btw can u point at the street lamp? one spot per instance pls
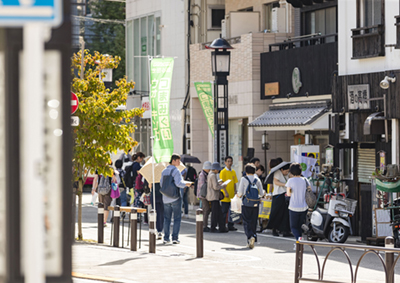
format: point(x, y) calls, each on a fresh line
point(265, 146)
point(220, 63)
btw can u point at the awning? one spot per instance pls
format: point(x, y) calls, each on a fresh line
point(287, 117)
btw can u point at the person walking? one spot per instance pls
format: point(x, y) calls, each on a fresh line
point(122, 200)
point(213, 195)
point(296, 190)
point(250, 208)
point(279, 217)
point(159, 209)
point(204, 204)
point(172, 206)
point(228, 174)
point(131, 172)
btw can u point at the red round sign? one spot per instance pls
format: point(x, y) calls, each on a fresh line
point(74, 103)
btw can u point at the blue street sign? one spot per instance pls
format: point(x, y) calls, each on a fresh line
point(20, 12)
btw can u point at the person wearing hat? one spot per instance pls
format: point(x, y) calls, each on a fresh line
point(204, 204)
point(213, 195)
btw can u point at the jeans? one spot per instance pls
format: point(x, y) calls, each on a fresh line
point(250, 216)
point(296, 220)
point(123, 198)
point(184, 194)
point(175, 208)
point(226, 212)
point(160, 213)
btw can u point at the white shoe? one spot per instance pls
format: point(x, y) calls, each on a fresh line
point(251, 242)
point(159, 236)
point(187, 216)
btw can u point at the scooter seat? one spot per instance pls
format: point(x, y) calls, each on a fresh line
point(323, 211)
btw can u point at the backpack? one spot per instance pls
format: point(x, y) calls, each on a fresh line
point(191, 174)
point(251, 198)
point(104, 186)
point(130, 176)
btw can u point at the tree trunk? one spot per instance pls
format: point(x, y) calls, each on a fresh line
point(79, 194)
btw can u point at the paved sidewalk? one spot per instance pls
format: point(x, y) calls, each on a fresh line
point(226, 259)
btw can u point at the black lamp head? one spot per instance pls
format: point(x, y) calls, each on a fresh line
point(219, 43)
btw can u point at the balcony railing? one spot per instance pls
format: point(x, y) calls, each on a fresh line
point(304, 40)
point(368, 42)
point(397, 24)
point(232, 40)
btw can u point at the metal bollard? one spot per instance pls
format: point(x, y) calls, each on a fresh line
point(117, 214)
point(199, 233)
point(298, 271)
point(100, 223)
point(389, 259)
point(133, 229)
point(152, 231)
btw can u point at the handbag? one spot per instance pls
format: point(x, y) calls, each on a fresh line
point(311, 199)
point(221, 195)
point(145, 198)
point(115, 191)
point(203, 190)
point(168, 188)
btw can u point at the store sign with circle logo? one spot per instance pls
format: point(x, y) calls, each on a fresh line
point(296, 81)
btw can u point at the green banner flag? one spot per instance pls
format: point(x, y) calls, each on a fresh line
point(204, 91)
point(160, 77)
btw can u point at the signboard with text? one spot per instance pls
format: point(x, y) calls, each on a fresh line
point(355, 94)
point(204, 91)
point(17, 13)
point(160, 76)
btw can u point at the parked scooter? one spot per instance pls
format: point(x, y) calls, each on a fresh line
point(332, 223)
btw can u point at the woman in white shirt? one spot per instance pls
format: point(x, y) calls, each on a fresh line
point(279, 217)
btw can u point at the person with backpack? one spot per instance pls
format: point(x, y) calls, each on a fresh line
point(202, 194)
point(103, 188)
point(251, 191)
point(131, 172)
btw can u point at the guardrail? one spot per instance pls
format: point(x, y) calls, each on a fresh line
point(388, 263)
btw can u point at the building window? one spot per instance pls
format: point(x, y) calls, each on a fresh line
point(268, 18)
point(321, 21)
point(143, 39)
point(369, 36)
point(216, 13)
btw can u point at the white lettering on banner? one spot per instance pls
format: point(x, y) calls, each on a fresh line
point(100, 211)
point(133, 216)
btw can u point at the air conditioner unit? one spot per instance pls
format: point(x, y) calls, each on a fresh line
point(278, 20)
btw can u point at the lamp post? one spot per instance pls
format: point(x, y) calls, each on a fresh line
point(220, 63)
point(265, 146)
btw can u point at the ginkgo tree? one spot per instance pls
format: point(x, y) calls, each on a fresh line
point(103, 128)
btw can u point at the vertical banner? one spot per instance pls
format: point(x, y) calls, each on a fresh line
point(207, 103)
point(160, 78)
point(306, 163)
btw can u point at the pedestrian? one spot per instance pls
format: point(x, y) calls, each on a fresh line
point(131, 172)
point(250, 187)
point(255, 161)
point(122, 200)
point(279, 217)
point(214, 188)
point(204, 204)
point(172, 206)
point(105, 199)
point(188, 174)
point(159, 208)
point(228, 174)
point(126, 158)
point(259, 171)
point(296, 190)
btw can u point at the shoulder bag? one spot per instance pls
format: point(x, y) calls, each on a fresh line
point(169, 188)
point(311, 199)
